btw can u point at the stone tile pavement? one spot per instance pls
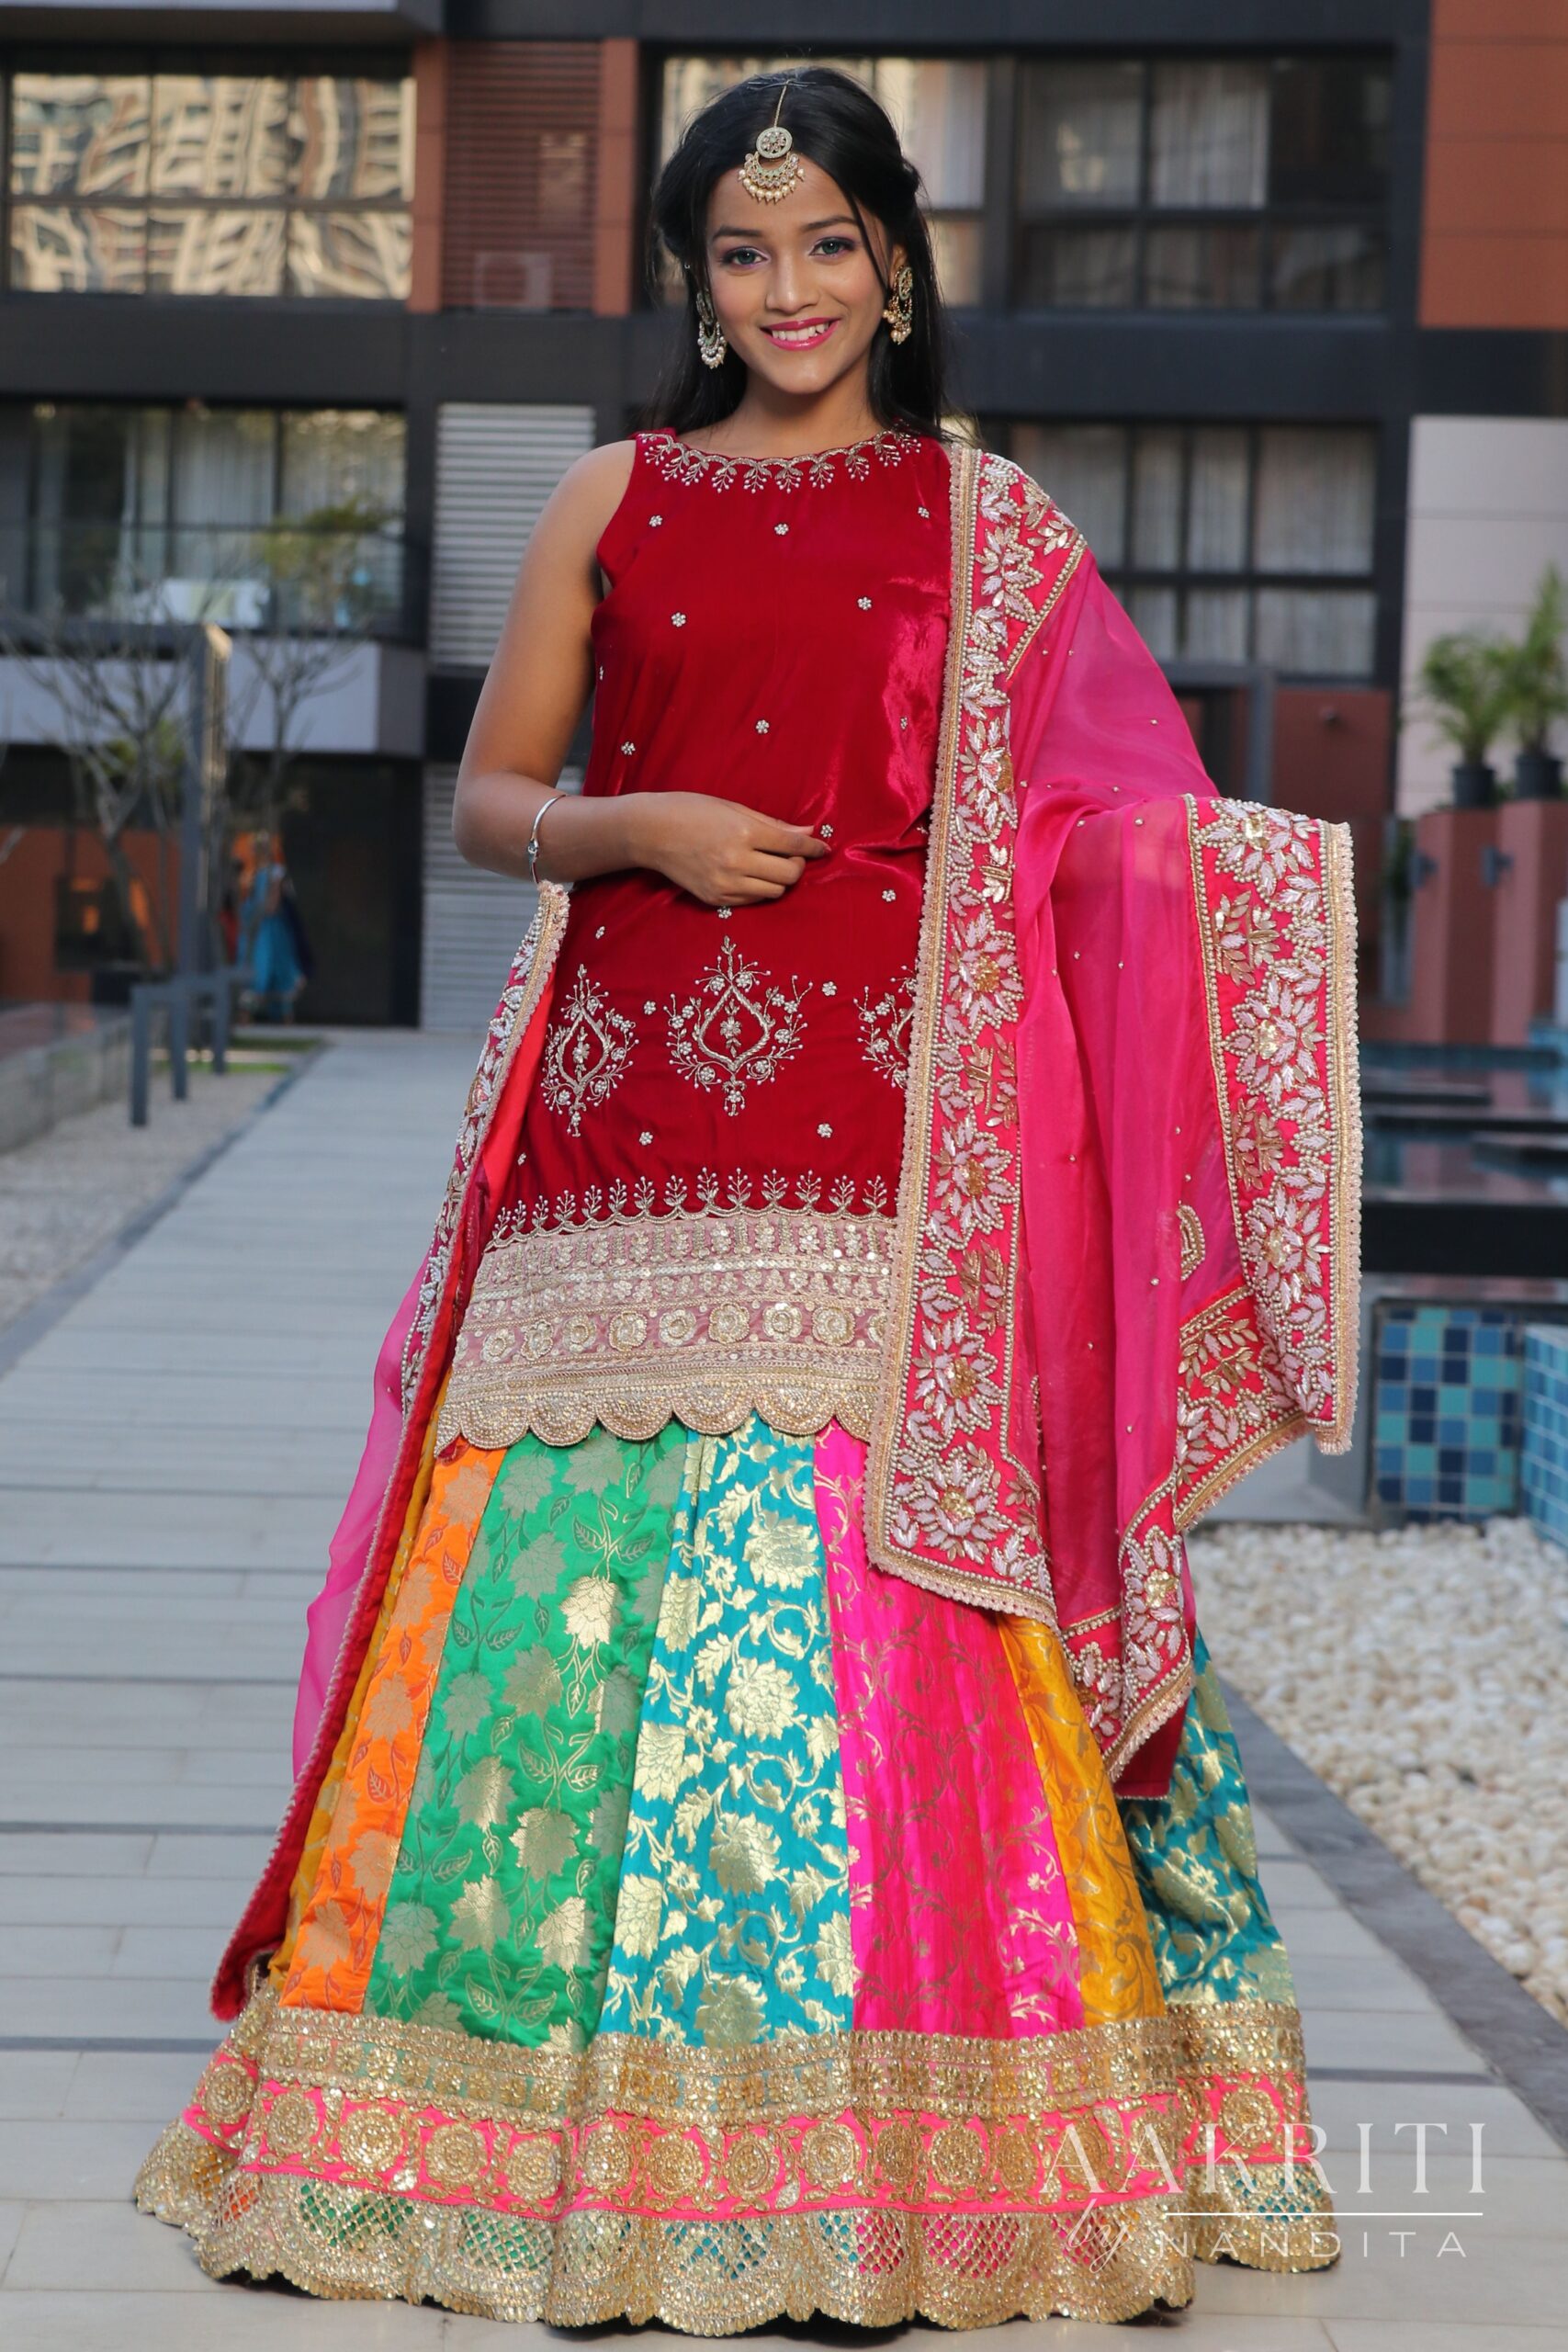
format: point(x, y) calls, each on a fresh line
point(173, 1455)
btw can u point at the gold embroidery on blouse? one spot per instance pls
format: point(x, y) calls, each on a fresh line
point(735, 1031)
point(885, 1027)
point(702, 1317)
point(676, 460)
point(586, 1052)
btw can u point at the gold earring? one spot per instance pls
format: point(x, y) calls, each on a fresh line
point(712, 347)
point(899, 309)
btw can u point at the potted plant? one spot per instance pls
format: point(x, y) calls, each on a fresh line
point(1537, 681)
point(1464, 692)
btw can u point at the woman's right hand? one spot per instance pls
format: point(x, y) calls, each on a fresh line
point(721, 853)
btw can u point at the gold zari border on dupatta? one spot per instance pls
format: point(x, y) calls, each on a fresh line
point(1277, 923)
point(358, 2157)
point(704, 1317)
point(953, 1499)
point(525, 984)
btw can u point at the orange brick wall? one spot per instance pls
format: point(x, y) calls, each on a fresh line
point(1494, 251)
point(28, 877)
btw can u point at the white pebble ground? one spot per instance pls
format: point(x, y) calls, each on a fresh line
point(1423, 1675)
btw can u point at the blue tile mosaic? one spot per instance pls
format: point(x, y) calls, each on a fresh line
point(1544, 1472)
point(1448, 1411)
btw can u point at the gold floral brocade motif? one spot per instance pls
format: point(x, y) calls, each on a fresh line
point(703, 1317)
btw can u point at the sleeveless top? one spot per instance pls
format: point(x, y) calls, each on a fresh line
point(699, 1218)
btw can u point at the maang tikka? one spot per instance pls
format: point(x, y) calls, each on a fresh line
point(772, 168)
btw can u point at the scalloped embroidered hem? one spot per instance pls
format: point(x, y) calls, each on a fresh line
point(876, 2269)
point(712, 1405)
point(361, 2160)
point(702, 1317)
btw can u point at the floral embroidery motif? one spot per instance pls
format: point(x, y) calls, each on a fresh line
point(1275, 917)
point(705, 1317)
point(953, 1497)
point(885, 1027)
point(586, 1052)
point(1233, 1401)
point(676, 460)
point(735, 1031)
point(1193, 1246)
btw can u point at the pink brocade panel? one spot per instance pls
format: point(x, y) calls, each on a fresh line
point(960, 1916)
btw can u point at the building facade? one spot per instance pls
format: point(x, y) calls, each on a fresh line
point(1272, 297)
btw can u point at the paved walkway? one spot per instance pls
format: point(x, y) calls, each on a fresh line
point(173, 1455)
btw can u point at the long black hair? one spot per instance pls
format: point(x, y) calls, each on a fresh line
point(836, 123)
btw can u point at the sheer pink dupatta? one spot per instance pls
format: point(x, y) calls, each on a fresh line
point(1189, 1151)
point(327, 1618)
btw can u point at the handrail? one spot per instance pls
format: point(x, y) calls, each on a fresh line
point(182, 994)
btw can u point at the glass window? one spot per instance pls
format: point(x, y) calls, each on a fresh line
point(1209, 134)
point(1081, 140)
point(937, 107)
point(1330, 131)
point(351, 138)
point(342, 456)
point(1218, 537)
point(1328, 265)
point(78, 249)
point(1203, 184)
point(198, 512)
point(1156, 499)
point(220, 135)
point(79, 134)
point(1207, 266)
point(1315, 493)
point(1217, 499)
point(251, 183)
point(1078, 268)
point(214, 251)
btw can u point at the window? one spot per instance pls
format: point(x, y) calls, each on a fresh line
point(939, 108)
point(1209, 183)
point(1228, 543)
point(240, 516)
point(232, 184)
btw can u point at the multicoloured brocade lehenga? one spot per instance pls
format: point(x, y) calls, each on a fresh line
point(695, 1921)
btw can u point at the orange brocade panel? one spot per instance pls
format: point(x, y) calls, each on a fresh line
point(521, 136)
point(340, 1923)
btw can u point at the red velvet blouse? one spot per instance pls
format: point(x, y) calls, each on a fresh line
point(775, 634)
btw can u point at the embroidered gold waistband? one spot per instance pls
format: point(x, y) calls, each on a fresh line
point(702, 1317)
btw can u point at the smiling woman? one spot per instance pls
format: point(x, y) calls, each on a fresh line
point(766, 1839)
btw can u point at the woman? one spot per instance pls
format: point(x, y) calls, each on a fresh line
point(769, 1840)
point(271, 940)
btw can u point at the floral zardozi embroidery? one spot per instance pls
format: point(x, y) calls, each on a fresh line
point(1191, 1227)
point(885, 1027)
point(586, 1052)
point(1267, 919)
point(953, 1501)
point(735, 1030)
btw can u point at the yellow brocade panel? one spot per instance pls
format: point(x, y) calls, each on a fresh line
point(1118, 1977)
point(340, 1920)
point(332, 1780)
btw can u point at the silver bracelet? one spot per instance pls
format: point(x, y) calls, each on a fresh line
point(534, 834)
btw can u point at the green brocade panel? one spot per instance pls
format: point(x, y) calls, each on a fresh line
point(501, 1907)
point(1196, 1859)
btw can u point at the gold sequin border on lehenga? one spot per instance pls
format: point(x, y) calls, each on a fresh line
point(870, 2177)
point(704, 1317)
